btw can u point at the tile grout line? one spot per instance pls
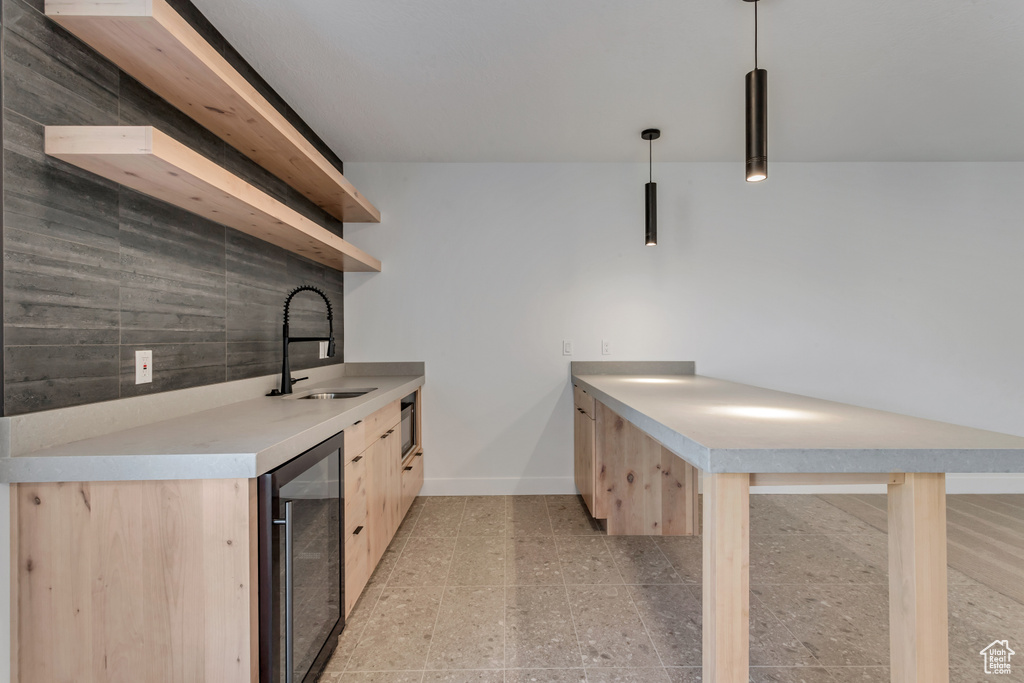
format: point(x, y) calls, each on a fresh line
point(362, 632)
point(416, 523)
point(383, 588)
point(831, 672)
point(444, 590)
point(373, 609)
point(765, 606)
point(669, 561)
point(568, 598)
point(622, 577)
point(646, 629)
point(643, 623)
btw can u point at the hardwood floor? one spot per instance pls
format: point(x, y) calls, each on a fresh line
point(984, 535)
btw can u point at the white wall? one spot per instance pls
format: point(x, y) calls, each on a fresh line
point(894, 286)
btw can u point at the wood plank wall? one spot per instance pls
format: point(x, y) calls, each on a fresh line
point(93, 271)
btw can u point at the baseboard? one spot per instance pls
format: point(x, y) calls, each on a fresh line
point(499, 486)
point(523, 486)
point(985, 483)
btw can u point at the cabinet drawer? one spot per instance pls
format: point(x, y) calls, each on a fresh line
point(361, 435)
point(412, 482)
point(583, 401)
point(382, 420)
point(355, 440)
point(355, 493)
point(357, 566)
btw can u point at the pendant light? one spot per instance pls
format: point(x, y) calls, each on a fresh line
point(651, 190)
point(757, 117)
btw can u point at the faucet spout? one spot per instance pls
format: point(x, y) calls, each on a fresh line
point(286, 375)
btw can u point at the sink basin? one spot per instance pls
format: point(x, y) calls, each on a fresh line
point(346, 393)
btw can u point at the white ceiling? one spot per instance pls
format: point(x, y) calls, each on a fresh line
point(577, 80)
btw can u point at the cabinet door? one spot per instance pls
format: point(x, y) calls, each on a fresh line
point(384, 419)
point(357, 556)
point(377, 499)
point(394, 447)
point(412, 482)
point(376, 476)
point(583, 446)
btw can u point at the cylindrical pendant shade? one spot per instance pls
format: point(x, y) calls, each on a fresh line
point(757, 125)
point(651, 197)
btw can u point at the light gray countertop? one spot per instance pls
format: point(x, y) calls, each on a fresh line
point(244, 438)
point(721, 426)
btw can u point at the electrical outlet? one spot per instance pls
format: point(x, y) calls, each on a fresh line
point(566, 348)
point(606, 347)
point(323, 350)
point(143, 367)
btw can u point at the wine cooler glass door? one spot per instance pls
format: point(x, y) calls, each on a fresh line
point(306, 570)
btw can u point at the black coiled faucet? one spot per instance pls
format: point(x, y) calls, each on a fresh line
point(286, 374)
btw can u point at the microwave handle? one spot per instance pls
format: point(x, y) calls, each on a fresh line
point(288, 592)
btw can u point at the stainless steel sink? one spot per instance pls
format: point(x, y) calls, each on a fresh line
point(345, 393)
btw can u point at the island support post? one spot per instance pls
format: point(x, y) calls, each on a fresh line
point(726, 582)
point(918, 621)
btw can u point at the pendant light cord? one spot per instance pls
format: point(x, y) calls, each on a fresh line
point(650, 160)
point(755, 35)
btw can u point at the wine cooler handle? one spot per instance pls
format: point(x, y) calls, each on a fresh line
point(288, 593)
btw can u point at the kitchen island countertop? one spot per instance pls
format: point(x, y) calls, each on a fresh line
point(739, 434)
point(721, 426)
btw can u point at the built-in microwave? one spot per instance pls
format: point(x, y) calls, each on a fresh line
point(408, 426)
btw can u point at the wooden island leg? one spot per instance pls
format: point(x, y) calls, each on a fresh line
point(726, 580)
point(918, 628)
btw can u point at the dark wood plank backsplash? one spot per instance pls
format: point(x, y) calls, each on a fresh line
point(93, 271)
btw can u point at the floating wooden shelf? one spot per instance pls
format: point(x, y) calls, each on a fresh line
point(144, 159)
point(153, 43)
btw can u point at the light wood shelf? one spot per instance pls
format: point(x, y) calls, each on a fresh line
point(144, 159)
point(155, 45)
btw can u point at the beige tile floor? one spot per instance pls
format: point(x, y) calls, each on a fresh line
point(520, 589)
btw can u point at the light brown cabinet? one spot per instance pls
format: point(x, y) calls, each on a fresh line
point(627, 478)
point(412, 481)
point(158, 580)
point(584, 457)
point(135, 580)
point(383, 492)
point(379, 489)
point(585, 452)
point(357, 554)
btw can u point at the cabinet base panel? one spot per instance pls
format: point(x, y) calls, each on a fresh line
point(136, 580)
point(642, 488)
